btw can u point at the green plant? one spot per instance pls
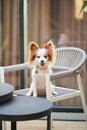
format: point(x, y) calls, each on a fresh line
point(84, 6)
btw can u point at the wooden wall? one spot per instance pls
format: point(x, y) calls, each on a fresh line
point(47, 19)
point(39, 21)
point(63, 21)
point(55, 19)
point(10, 37)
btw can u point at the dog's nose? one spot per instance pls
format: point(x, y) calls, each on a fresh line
point(42, 61)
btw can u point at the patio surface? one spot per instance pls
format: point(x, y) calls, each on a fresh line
point(58, 125)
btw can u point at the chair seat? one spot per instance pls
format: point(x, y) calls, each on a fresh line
point(64, 93)
point(61, 93)
point(21, 92)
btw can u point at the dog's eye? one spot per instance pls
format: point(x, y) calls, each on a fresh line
point(38, 56)
point(45, 56)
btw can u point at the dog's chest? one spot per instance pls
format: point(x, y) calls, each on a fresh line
point(41, 84)
point(41, 81)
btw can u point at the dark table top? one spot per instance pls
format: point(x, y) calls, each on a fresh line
point(21, 108)
point(6, 92)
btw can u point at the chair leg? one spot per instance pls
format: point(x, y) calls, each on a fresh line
point(82, 95)
point(52, 125)
point(4, 125)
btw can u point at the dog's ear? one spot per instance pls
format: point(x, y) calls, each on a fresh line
point(49, 45)
point(50, 50)
point(33, 47)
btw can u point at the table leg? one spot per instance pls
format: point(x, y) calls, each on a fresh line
point(0, 125)
point(13, 125)
point(49, 122)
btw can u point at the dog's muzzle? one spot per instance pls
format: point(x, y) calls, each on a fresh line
point(42, 64)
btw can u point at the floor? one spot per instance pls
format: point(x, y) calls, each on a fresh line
point(58, 125)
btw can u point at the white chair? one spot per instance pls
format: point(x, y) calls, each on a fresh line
point(2, 74)
point(70, 61)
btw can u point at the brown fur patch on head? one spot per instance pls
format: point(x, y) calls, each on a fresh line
point(33, 47)
point(50, 50)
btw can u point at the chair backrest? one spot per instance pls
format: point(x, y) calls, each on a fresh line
point(69, 57)
point(16, 67)
point(2, 74)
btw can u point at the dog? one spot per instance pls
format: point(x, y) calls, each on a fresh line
point(41, 59)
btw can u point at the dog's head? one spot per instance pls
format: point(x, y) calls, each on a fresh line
point(41, 57)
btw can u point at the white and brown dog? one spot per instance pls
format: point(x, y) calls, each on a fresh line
point(41, 59)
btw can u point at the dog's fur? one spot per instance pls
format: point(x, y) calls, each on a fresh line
point(41, 59)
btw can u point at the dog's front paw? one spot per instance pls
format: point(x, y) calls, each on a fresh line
point(34, 95)
point(28, 94)
point(54, 93)
point(51, 95)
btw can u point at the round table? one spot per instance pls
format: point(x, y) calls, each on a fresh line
point(22, 108)
point(6, 92)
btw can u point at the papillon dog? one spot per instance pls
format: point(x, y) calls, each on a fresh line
point(41, 59)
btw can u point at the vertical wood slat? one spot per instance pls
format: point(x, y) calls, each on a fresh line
point(6, 22)
point(33, 20)
point(14, 39)
point(6, 28)
point(45, 21)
